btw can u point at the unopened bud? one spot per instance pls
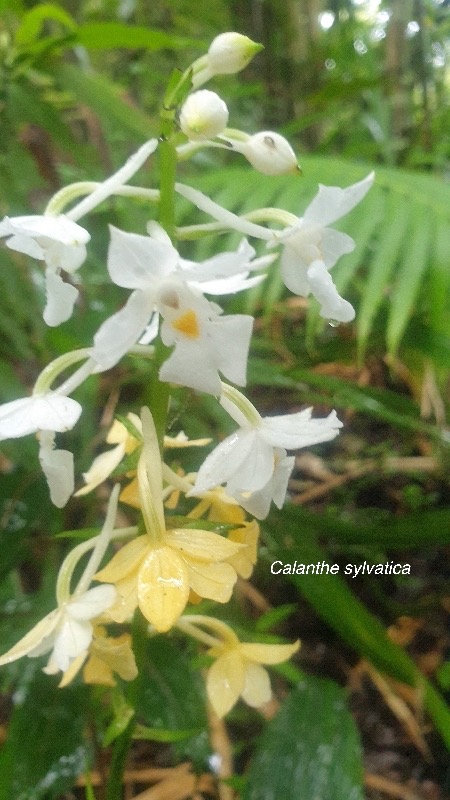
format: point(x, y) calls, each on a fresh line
point(231, 52)
point(269, 153)
point(203, 115)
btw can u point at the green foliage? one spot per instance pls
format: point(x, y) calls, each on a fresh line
point(297, 761)
point(46, 748)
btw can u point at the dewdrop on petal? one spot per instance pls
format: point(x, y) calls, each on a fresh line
point(203, 115)
point(269, 153)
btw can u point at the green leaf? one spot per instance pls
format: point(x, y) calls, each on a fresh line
point(409, 277)
point(392, 233)
point(309, 750)
point(382, 404)
point(110, 35)
point(173, 698)
point(105, 98)
point(32, 23)
point(123, 714)
point(144, 733)
point(45, 751)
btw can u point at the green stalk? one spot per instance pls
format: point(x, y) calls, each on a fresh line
point(121, 747)
point(168, 168)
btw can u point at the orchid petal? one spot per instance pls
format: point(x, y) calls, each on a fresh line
point(50, 412)
point(225, 682)
point(201, 545)
point(125, 561)
point(163, 587)
point(333, 245)
point(122, 330)
point(71, 641)
point(57, 466)
point(136, 262)
point(333, 306)
point(43, 630)
point(294, 270)
point(92, 603)
point(257, 690)
point(212, 581)
point(61, 298)
point(332, 203)
point(293, 431)
point(268, 653)
point(101, 468)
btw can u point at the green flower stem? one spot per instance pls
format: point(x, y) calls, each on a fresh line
point(159, 394)
point(168, 166)
point(65, 196)
point(121, 747)
point(56, 367)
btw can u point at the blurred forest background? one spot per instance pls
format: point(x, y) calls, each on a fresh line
point(355, 85)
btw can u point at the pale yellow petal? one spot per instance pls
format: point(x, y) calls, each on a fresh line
point(268, 653)
point(101, 469)
point(257, 690)
point(110, 654)
point(225, 682)
point(116, 652)
point(244, 561)
point(73, 670)
point(130, 494)
point(202, 545)
point(127, 599)
point(117, 433)
point(125, 561)
point(212, 581)
point(163, 587)
point(98, 672)
point(31, 641)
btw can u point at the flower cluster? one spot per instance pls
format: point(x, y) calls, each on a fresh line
point(198, 532)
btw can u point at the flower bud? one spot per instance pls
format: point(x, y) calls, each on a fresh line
point(269, 153)
point(203, 115)
point(231, 52)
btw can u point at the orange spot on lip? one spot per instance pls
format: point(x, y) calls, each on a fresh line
point(187, 324)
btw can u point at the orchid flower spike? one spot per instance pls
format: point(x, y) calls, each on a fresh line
point(252, 462)
point(66, 632)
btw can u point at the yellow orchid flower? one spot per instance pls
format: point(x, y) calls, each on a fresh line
point(237, 670)
point(157, 571)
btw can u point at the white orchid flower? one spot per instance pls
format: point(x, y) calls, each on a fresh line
point(311, 248)
point(152, 267)
point(47, 413)
point(252, 461)
point(58, 241)
point(66, 632)
point(205, 342)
